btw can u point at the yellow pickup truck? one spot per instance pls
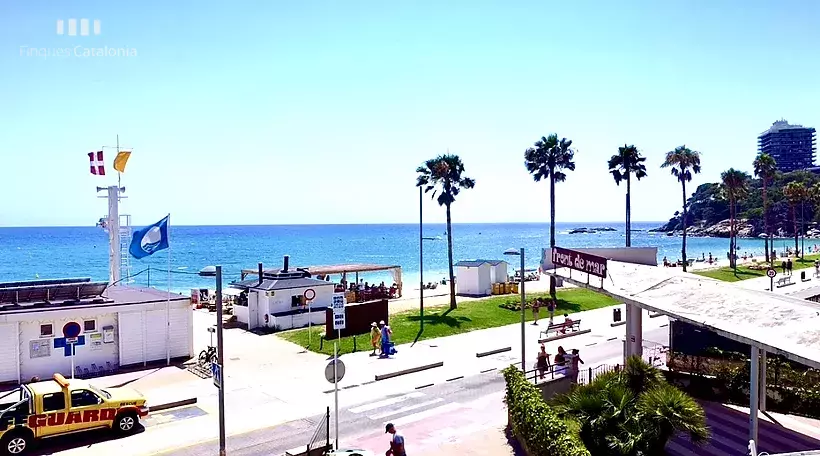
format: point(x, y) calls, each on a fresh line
point(55, 407)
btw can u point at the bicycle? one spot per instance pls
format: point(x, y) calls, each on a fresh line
point(208, 356)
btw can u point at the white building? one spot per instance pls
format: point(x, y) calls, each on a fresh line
point(283, 300)
point(110, 327)
point(476, 277)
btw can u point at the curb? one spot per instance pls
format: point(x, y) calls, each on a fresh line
point(170, 405)
point(409, 371)
point(655, 315)
point(564, 336)
point(492, 352)
point(620, 323)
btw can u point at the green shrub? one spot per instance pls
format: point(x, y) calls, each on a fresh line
point(536, 423)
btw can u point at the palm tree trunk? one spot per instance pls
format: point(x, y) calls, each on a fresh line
point(732, 248)
point(628, 212)
point(766, 218)
point(450, 258)
point(683, 244)
point(552, 210)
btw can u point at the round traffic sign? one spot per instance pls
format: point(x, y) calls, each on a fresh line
point(309, 294)
point(340, 370)
point(771, 272)
point(71, 329)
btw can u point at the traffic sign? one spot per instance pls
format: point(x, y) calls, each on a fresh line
point(340, 370)
point(216, 373)
point(339, 317)
point(309, 294)
point(771, 272)
point(339, 321)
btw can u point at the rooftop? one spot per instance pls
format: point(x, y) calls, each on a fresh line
point(782, 124)
point(330, 269)
point(779, 324)
point(281, 284)
point(474, 263)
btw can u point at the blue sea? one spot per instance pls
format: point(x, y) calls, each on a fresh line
point(57, 252)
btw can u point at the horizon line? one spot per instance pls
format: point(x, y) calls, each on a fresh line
point(580, 224)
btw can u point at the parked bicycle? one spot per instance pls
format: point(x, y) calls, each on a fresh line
point(208, 356)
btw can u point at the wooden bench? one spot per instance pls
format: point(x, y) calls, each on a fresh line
point(784, 281)
point(560, 328)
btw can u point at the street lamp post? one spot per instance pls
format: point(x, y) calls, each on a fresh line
point(217, 272)
point(523, 307)
point(421, 262)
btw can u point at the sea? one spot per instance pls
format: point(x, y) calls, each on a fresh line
point(62, 252)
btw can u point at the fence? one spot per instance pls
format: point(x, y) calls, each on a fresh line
point(321, 436)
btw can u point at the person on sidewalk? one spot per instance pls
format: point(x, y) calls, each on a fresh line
point(551, 308)
point(385, 339)
point(574, 359)
point(560, 361)
point(536, 305)
point(375, 337)
point(789, 266)
point(543, 362)
point(396, 442)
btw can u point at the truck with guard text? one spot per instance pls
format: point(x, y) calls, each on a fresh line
point(49, 408)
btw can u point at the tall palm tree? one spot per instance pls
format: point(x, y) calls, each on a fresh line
point(632, 412)
point(795, 192)
point(622, 165)
point(735, 186)
point(684, 162)
point(547, 160)
point(765, 168)
point(445, 172)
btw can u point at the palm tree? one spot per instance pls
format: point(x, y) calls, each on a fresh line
point(445, 171)
point(765, 168)
point(632, 412)
point(684, 162)
point(735, 186)
point(546, 161)
point(622, 165)
point(795, 192)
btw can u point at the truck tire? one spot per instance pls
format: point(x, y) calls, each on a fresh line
point(16, 443)
point(126, 423)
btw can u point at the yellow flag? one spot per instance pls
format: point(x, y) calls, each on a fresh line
point(121, 160)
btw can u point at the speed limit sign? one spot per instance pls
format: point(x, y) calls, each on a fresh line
point(771, 272)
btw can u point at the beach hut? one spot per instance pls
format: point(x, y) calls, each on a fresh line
point(476, 277)
point(88, 328)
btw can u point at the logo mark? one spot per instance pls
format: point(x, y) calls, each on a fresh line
point(72, 27)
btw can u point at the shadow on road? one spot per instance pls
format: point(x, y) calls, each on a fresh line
point(79, 440)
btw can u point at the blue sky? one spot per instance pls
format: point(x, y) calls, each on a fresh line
point(273, 112)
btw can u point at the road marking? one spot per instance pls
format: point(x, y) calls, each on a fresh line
point(611, 338)
point(426, 414)
point(405, 409)
point(424, 386)
point(384, 403)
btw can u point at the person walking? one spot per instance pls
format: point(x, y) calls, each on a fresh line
point(375, 337)
point(789, 266)
point(543, 362)
point(551, 308)
point(783, 265)
point(560, 361)
point(536, 305)
point(385, 339)
point(574, 359)
point(396, 441)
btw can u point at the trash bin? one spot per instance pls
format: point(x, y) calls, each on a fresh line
point(616, 315)
point(803, 276)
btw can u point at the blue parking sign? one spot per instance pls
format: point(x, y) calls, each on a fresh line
point(216, 372)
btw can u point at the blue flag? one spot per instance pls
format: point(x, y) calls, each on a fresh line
point(150, 239)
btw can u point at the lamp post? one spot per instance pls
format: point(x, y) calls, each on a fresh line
point(421, 262)
point(520, 253)
point(211, 271)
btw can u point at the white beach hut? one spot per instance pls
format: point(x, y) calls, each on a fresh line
point(476, 277)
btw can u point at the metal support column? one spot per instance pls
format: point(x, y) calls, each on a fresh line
point(634, 331)
point(762, 380)
point(754, 381)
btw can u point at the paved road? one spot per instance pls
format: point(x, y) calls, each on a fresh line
point(430, 416)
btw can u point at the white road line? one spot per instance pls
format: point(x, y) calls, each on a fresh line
point(384, 403)
point(426, 414)
point(405, 409)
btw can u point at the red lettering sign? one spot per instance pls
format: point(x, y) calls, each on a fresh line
point(61, 418)
point(73, 417)
point(108, 414)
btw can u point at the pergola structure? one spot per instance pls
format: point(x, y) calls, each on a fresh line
point(768, 322)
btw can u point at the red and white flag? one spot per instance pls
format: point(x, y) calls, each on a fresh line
point(97, 163)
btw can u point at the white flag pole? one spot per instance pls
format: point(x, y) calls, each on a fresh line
point(168, 302)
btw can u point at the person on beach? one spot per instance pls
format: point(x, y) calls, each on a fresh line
point(375, 337)
point(543, 362)
point(710, 258)
point(536, 305)
point(551, 308)
point(396, 442)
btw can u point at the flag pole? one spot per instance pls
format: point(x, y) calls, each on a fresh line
point(168, 302)
point(119, 174)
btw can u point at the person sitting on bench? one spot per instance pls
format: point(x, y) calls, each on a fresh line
point(567, 324)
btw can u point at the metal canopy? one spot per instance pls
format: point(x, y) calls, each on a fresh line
point(51, 292)
point(776, 323)
point(330, 269)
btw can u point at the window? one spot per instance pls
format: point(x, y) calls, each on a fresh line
point(89, 325)
point(84, 398)
point(47, 330)
point(53, 402)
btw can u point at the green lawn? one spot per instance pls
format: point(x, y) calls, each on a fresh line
point(470, 316)
point(728, 275)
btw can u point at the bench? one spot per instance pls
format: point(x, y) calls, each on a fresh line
point(561, 327)
point(784, 281)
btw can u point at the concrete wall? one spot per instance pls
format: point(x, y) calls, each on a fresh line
point(299, 320)
point(636, 255)
point(558, 385)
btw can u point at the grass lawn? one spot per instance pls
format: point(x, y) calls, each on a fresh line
point(470, 316)
point(726, 274)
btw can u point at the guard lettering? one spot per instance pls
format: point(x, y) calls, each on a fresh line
point(108, 414)
point(56, 419)
point(73, 418)
point(35, 421)
point(91, 415)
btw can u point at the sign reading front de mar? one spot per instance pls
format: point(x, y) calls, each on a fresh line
point(584, 262)
point(338, 306)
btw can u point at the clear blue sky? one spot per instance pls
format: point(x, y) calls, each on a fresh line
point(272, 112)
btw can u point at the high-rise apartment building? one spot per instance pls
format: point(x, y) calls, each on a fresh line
point(792, 146)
